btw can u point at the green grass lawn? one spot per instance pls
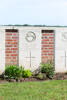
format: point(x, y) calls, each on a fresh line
point(48, 90)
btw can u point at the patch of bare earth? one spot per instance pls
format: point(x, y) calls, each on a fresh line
point(58, 76)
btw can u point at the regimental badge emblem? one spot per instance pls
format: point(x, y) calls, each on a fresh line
point(30, 37)
point(64, 36)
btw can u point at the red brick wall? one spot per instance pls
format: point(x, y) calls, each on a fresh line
point(47, 48)
point(11, 47)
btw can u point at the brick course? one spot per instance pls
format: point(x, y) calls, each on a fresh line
point(47, 48)
point(11, 47)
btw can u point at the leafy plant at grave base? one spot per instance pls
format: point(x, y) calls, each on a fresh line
point(41, 76)
point(26, 73)
point(48, 69)
point(13, 71)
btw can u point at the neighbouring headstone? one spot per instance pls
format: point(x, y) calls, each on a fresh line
point(61, 50)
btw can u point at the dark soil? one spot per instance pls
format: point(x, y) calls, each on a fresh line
point(58, 76)
point(3, 81)
point(25, 80)
point(31, 79)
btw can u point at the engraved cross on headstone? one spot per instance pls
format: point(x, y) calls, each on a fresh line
point(30, 57)
point(65, 57)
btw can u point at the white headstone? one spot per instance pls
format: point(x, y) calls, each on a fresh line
point(61, 50)
point(30, 48)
